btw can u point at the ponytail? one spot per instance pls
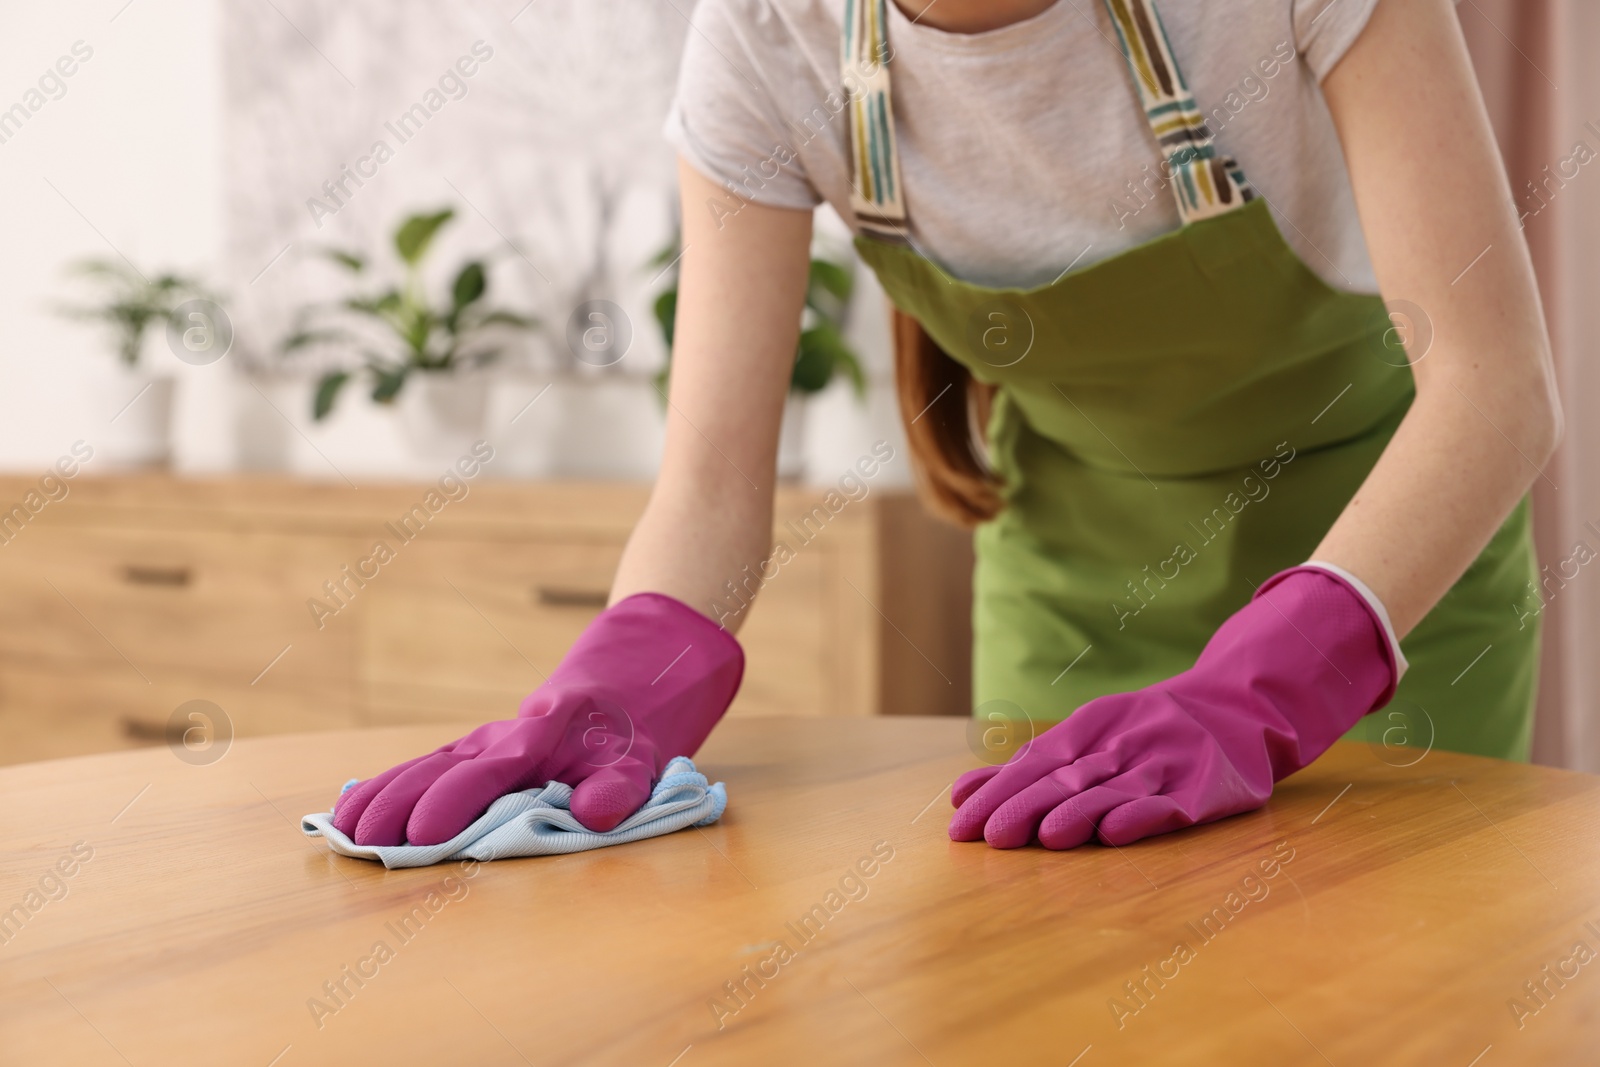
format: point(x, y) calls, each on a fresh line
point(946, 413)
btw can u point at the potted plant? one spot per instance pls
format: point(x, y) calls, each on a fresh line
point(821, 354)
point(134, 401)
point(401, 335)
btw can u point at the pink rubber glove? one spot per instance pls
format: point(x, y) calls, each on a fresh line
point(1277, 684)
point(645, 682)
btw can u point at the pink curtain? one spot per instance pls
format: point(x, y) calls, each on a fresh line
point(1535, 63)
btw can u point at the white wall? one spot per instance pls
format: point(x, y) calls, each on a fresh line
point(197, 132)
point(132, 147)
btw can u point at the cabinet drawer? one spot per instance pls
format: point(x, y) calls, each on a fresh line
point(223, 603)
point(788, 643)
point(47, 712)
point(465, 631)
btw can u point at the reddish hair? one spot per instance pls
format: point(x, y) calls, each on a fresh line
point(946, 412)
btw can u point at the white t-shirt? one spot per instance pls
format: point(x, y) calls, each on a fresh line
point(1024, 150)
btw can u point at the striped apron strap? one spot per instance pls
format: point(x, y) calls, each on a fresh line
point(1204, 183)
point(877, 196)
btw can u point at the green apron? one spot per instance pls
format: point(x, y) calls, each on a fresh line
point(1173, 425)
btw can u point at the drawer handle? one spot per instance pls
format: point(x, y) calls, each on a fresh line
point(175, 577)
point(140, 730)
point(557, 597)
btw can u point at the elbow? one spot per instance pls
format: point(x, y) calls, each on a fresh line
point(1548, 425)
point(1523, 409)
point(1558, 425)
point(1529, 409)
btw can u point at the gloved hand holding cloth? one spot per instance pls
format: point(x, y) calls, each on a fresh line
point(646, 682)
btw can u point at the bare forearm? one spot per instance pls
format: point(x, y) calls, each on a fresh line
point(738, 318)
point(1458, 464)
point(694, 539)
point(1443, 232)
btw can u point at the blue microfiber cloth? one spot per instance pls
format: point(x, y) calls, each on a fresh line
point(536, 822)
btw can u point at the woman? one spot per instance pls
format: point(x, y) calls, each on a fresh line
point(1218, 520)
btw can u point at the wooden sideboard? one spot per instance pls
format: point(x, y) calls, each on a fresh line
point(134, 595)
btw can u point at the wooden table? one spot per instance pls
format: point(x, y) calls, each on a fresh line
point(1404, 911)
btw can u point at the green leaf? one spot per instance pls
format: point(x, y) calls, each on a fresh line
point(832, 278)
point(387, 383)
point(470, 284)
point(432, 361)
point(669, 252)
point(130, 303)
point(506, 318)
point(415, 325)
point(846, 360)
point(822, 354)
point(666, 310)
point(411, 240)
point(327, 392)
point(301, 338)
point(813, 365)
point(353, 261)
point(385, 303)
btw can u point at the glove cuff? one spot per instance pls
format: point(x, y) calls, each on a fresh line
point(668, 614)
point(1363, 595)
point(672, 670)
point(1379, 612)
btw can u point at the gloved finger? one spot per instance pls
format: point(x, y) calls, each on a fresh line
point(970, 819)
point(1160, 814)
point(352, 803)
point(384, 820)
point(1014, 823)
point(611, 794)
point(1159, 806)
point(969, 783)
point(974, 809)
point(1076, 819)
point(540, 702)
point(463, 792)
point(1144, 817)
point(989, 787)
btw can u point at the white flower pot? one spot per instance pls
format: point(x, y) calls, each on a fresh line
point(264, 432)
point(131, 416)
point(442, 415)
point(607, 427)
point(359, 441)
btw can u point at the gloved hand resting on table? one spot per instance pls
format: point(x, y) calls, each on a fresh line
point(1277, 684)
point(646, 681)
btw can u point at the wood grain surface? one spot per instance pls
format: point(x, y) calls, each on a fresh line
point(1446, 912)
